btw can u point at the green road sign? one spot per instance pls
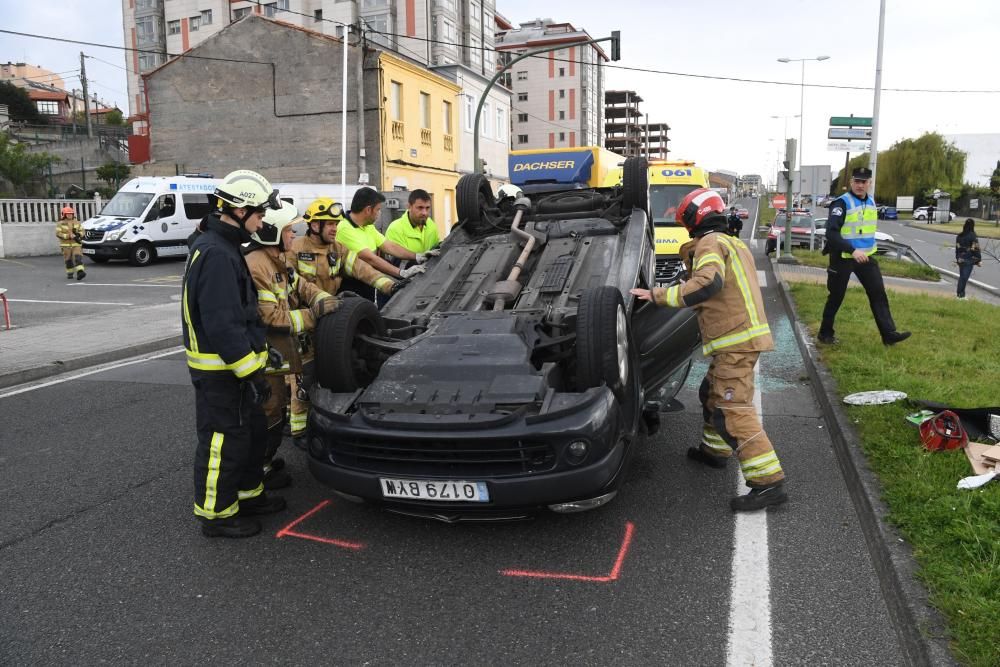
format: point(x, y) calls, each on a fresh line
point(851, 121)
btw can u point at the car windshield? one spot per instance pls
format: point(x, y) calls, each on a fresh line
point(663, 201)
point(127, 204)
point(797, 220)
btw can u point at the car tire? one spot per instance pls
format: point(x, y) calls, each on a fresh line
point(97, 260)
point(476, 204)
point(603, 340)
point(141, 254)
point(635, 184)
point(343, 360)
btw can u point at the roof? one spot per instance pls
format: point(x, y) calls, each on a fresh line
point(543, 32)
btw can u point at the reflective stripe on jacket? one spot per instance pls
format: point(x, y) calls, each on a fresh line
point(67, 231)
point(860, 224)
point(326, 264)
point(724, 291)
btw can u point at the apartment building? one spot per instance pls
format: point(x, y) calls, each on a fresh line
point(558, 97)
point(627, 130)
point(431, 32)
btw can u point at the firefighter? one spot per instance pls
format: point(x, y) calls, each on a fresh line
point(289, 308)
point(226, 355)
point(320, 259)
point(69, 231)
point(723, 290)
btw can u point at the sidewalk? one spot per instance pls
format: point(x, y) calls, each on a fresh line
point(70, 343)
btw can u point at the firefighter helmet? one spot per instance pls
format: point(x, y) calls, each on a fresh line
point(943, 431)
point(275, 222)
point(324, 208)
point(68, 210)
point(247, 189)
point(697, 205)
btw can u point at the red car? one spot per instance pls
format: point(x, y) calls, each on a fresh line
point(742, 212)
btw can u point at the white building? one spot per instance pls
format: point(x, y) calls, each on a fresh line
point(432, 32)
point(558, 97)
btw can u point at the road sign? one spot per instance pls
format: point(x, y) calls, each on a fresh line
point(778, 201)
point(851, 121)
point(849, 146)
point(850, 133)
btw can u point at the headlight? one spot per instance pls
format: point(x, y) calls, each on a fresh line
point(115, 235)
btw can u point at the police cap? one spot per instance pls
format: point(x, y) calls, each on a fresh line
point(862, 174)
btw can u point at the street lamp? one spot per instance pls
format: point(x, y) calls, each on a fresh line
point(802, 99)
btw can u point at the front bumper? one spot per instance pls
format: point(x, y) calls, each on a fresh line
point(351, 453)
point(109, 249)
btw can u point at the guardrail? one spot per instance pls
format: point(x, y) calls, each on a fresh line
point(25, 211)
point(886, 248)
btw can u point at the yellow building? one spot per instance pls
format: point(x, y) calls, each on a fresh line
point(419, 136)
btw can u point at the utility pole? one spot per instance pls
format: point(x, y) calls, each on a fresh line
point(787, 257)
point(86, 102)
point(873, 162)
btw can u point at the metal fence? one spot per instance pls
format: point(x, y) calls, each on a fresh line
point(46, 210)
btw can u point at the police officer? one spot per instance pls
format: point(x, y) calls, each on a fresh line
point(734, 222)
point(723, 290)
point(69, 231)
point(289, 308)
point(226, 356)
point(850, 241)
point(415, 230)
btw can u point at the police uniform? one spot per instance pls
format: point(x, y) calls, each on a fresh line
point(70, 235)
point(225, 344)
point(724, 291)
point(851, 226)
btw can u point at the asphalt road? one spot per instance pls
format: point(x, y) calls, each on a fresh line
point(939, 249)
point(101, 559)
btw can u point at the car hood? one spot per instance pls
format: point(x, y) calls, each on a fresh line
point(107, 223)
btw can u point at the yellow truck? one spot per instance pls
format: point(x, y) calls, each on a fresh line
point(552, 169)
point(669, 181)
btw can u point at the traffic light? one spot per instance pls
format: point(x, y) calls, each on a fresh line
point(616, 45)
point(784, 163)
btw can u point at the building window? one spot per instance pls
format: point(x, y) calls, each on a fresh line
point(562, 115)
point(173, 27)
point(47, 107)
point(522, 138)
point(475, 14)
point(206, 17)
point(470, 112)
point(522, 76)
point(445, 5)
point(240, 13)
point(562, 136)
point(145, 29)
point(373, 4)
point(501, 124)
point(484, 124)
point(562, 94)
point(562, 71)
point(270, 9)
point(148, 61)
point(425, 111)
point(447, 31)
point(380, 28)
point(396, 101)
point(522, 118)
point(475, 51)
point(194, 23)
point(446, 117)
point(522, 97)
point(317, 15)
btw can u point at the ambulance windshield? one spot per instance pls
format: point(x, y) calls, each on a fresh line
point(663, 201)
point(127, 204)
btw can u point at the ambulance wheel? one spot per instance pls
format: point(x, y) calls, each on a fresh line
point(98, 260)
point(141, 254)
point(476, 204)
point(635, 184)
point(344, 361)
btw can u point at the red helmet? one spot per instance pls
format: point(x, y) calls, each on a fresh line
point(697, 205)
point(68, 210)
point(943, 431)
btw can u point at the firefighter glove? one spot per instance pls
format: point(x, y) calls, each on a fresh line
point(77, 238)
point(324, 306)
point(424, 256)
point(274, 358)
point(260, 390)
point(398, 285)
point(411, 271)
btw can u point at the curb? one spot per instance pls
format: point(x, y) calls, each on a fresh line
point(55, 368)
point(973, 283)
point(920, 629)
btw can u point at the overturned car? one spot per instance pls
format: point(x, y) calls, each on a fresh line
point(516, 374)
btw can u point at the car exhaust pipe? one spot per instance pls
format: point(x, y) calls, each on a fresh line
point(507, 291)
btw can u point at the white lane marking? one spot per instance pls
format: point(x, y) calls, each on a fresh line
point(99, 369)
point(174, 286)
point(761, 278)
point(920, 241)
point(750, 604)
point(80, 303)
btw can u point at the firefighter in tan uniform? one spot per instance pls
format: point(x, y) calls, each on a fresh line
point(723, 289)
point(289, 308)
point(69, 231)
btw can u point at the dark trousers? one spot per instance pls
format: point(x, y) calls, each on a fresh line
point(964, 272)
point(229, 460)
point(870, 276)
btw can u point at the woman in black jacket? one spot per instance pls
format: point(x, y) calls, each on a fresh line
point(967, 254)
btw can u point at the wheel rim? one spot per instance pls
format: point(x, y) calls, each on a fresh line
point(621, 330)
point(142, 255)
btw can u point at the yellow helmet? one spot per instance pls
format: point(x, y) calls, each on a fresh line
point(324, 208)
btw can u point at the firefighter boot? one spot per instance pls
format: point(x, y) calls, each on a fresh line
point(759, 498)
point(81, 274)
point(233, 526)
point(262, 504)
point(701, 456)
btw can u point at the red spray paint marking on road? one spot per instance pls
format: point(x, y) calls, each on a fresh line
point(288, 532)
point(612, 576)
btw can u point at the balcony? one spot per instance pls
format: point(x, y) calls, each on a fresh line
point(425, 136)
point(397, 130)
point(449, 143)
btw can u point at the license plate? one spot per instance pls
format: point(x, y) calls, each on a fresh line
point(422, 489)
point(89, 251)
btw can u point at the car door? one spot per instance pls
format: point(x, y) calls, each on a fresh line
point(665, 338)
point(162, 219)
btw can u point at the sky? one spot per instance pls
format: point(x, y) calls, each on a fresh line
point(720, 124)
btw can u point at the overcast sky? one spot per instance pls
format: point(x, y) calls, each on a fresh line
point(720, 124)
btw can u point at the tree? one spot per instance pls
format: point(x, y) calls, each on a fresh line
point(114, 118)
point(19, 166)
point(19, 104)
point(113, 173)
point(995, 181)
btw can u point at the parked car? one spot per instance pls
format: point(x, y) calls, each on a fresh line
point(516, 374)
point(922, 212)
point(800, 236)
point(887, 213)
point(742, 212)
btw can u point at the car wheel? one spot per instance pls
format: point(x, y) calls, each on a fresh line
point(98, 260)
point(635, 184)
point(476, 203)
point(141, 254)
point(344, 361)
point(605, 354)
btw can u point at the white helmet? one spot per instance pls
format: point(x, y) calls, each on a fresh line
point(245, 188)
point(510, 191)
point(275, 221)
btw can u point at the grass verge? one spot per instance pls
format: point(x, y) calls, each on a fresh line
point(889, 267)
point(988, 230)
point(951, 358)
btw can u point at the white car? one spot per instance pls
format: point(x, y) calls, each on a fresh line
point(800, 237)
point(922, 212)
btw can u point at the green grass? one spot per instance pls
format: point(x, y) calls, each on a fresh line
point(983, 229)
point(951, 358)
point(889, 267)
